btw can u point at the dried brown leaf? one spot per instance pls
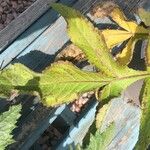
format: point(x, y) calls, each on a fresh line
point(71, 53)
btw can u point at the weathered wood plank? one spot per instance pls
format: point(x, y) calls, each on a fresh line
point(78, 131)
point(28, 37)
point(22, 22)
point(43, 124)
point(126, 118)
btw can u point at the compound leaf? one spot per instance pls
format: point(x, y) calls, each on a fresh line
point(115, 37)
point(144, 134)
point(7, 124)
point(64, 82)
point(89, 40)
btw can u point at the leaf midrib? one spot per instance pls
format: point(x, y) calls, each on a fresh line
point(89, 81)
point(104, 81)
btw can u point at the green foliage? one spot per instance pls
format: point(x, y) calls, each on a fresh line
point(63, 82)
point(89, 40)
point(144, 134)
point(100, 117)
point(144, 15)
point(8, 120)
point(17, 77)
point(101, 140)
point(83, 35)
point(92, 44)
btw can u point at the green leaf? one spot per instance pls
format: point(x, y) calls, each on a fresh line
point(100, 141)
point(144, 134)
point(100, 116)
point(64, 82)
point(147, 54)
point(145, 16)
point(115, 87)
point(7, 124)
point(89, 40)
point(17, 77)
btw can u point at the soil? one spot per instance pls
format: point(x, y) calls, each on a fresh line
point(30, 125)
point(10, 9)
point(79, 104)
point(49, 138)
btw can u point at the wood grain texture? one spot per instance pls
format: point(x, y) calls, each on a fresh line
point(30, 35)
point(78, 131)
point(22, 22)
point(126, 118)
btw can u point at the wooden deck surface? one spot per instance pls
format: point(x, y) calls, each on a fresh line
point(38, 45)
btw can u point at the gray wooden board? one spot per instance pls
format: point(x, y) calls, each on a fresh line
point(29, 36)
point(78, 131)
point(33, 126)
point(126, 117)
point(22, 22)
point(44, 123)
